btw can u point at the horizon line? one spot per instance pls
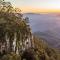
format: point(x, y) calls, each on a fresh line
point(38, 10)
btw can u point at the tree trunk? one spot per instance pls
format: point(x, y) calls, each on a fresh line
point(32, 41)
point(11, 42)
point(7, 41)
point(14, 43)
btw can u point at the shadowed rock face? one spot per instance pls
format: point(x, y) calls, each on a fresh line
point(28, 55)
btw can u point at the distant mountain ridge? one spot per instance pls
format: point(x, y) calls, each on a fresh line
point(51, 39)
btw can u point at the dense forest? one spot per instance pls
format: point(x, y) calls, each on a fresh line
point(16, 39)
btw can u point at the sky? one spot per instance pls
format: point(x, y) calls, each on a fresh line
point(37, 5)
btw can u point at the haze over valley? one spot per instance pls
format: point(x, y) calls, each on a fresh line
point(46, 26)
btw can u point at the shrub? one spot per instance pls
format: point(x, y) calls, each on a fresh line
point(11, 56)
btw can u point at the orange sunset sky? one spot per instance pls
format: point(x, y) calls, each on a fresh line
point(37, 6)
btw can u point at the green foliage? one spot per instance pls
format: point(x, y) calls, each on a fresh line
point(11, 56)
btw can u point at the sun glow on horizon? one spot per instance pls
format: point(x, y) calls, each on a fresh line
point(37, 6)
point(38, 10)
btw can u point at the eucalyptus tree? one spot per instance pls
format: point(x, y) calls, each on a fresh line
point(29, 32)
point(15, 28)
point(7, 20)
